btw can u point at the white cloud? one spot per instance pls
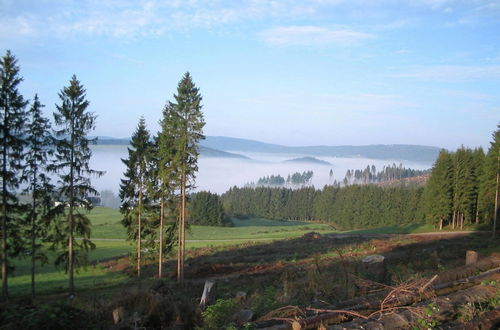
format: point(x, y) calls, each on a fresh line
point(130, 18)
point(452, 73)
point(311, 36)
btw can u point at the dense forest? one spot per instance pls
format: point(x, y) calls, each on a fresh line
point(462, 187)
point(355, 206)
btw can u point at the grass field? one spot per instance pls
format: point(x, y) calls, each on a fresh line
point(110, 242)
point(51, 279)
point(106, 224)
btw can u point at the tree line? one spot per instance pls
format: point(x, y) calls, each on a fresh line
point(463, 187)
point(294, 180)
point(32, 152)
point(355, 206)
point(370, 175)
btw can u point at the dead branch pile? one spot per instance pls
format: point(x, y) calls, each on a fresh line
point(394, 307)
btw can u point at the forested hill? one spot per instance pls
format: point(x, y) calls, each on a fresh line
point(395, 151)
point(204, 151)
point(380, 151)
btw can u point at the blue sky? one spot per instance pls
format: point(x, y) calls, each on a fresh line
point(310, 72)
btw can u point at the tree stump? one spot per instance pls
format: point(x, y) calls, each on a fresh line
point(374, 268)
point(471, 257)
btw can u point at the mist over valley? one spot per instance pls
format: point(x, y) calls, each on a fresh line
point(221, 169)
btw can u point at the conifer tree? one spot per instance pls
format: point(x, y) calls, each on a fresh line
point(72, 158)
point(133, 189)
point(12, 140)
point(168, 179)
point(39, 143)
point(490, 182)
point(188, 123)
point(438, 193)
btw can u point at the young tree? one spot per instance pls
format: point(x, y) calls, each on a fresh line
point(189, 124)
point(72, 157)
point(38, 183)
point(133, 187)
point(12, 140)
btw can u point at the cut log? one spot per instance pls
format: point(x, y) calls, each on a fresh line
point(374, 302)
point(471, 257)
point(446, 307)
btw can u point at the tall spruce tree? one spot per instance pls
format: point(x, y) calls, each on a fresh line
point(168, 180)
point(12, 140)
point(41, 212)
point(438, 193)
point(72, 158)
point(490, 182)
point(133, 189)
point(188, 123)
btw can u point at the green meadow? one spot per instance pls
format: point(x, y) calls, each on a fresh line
point(110, 239)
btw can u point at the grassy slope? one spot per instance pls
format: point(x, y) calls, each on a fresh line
point(106, 225)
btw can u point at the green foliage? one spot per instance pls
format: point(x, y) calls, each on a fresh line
point(205, 208)
point(71, 163)
point(218, 315)
point(427, 321)
point(488, 176)
point(12, 140)
point(265, 301)
point(135, 199)
point(139, 216)
point(438, 193)
point(350, 207)
point(41, 212)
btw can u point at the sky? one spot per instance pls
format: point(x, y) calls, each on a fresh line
point(309, 72)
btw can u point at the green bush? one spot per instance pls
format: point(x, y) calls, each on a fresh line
point(218, 315)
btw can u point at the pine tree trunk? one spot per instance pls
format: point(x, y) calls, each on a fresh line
point(139, 230)
point(33, 236)
point(461, 221)
point(180, 261)
point(453, 220)
point(160, 257)
point(495, 213)
point(70, 250)
point(71, 206)
point(441, 224)
point(179, 239)
point(5, 286)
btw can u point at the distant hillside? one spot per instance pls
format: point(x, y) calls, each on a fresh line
point(310, 160)
point(209, 152)
point(391, 152)
point(204, 151)
point(415, 153)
